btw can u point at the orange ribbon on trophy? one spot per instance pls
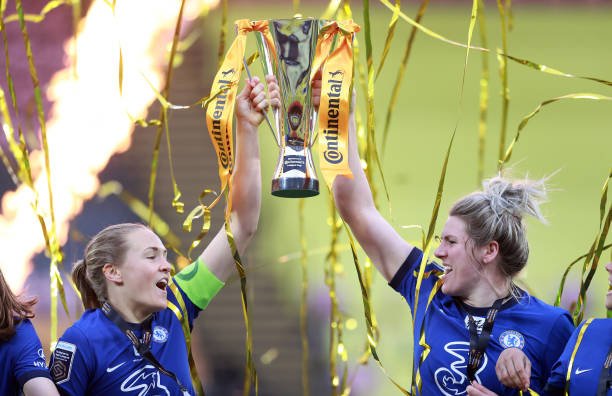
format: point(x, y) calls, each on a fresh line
point(334, 109)
point(220, 110)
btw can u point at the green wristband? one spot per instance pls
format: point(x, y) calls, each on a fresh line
point(198, 283)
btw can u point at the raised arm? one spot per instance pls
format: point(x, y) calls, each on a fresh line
point(39, 386)
point(246, 178)
point(353, 198)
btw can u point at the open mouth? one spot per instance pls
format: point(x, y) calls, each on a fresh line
point(161, 284)
point(447, 270)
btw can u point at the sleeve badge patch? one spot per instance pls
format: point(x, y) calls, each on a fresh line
point(62, 361)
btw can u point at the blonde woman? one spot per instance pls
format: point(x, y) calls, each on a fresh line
point(478, 320)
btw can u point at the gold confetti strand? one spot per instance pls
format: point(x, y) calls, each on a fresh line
point(389, 39)
point(549, 70)
point(52, 242)
point(510, 15)
point(426, 249)
point(400, 74)
point(367, 308)
point(331, 10)
point(7, 129)
point(164, 127)
point(37, 18)
point(371, 149)
point(503, 71)
point(567, 270)
point(597, 249)
point(525, 120)
point(296, 9)
point(250, 371)
point(222, 34)
point(330, 280)
point(139, 208)
point(204, 211)
point(524, 62)
point(304, 299)
point(484, 93)
point(19, 151)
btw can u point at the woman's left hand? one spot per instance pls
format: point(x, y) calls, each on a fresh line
point(476, 389)
point(513, 369)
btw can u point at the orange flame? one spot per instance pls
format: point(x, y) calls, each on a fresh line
point(90, 119)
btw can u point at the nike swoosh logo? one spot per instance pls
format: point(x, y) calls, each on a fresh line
point(111, 369)
point(578, 371)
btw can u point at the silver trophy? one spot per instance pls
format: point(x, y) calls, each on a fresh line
point(290, 57)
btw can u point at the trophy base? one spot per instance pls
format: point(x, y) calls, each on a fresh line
point(295, 187)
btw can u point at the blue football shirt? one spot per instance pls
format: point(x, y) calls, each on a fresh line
point(538, 329)
point(589, 359)
point(93, 357)
point(22, 358)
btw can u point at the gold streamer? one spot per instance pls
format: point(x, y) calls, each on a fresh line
point(202, 210)
point(335, 315)
point(566, 272)
point(484, 93)
point(524, 62)
point(304, 300)
point(571, 361)
point(250, 371)
point(503, 71)
point(594, 253)
point(525, 120)
point(400, 74)
point(222, 34)
point(37, 18)
point(51, 239)
point(179, 312)
point(368, 315)
point(164, 127)
point(389, 39)
point(371, 154)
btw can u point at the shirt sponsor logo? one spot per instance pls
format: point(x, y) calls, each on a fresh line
point(160, 334)
point(145, 381)
point(512, 339)
point(452, 381)
point(580, 371)
point(62, 362)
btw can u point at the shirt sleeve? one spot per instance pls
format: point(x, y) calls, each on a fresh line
point(29, 355)
point(561, 343)
point(405, 279)
point(70, 363)
point(198, 283)
point(558, 374)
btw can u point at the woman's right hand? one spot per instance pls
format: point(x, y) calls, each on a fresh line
point(513, 369)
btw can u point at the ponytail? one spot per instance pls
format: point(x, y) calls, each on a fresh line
point(88, 295)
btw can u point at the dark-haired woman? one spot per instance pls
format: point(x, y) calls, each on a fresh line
point(130, 340)
point(469, 312)
point(22, 361)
